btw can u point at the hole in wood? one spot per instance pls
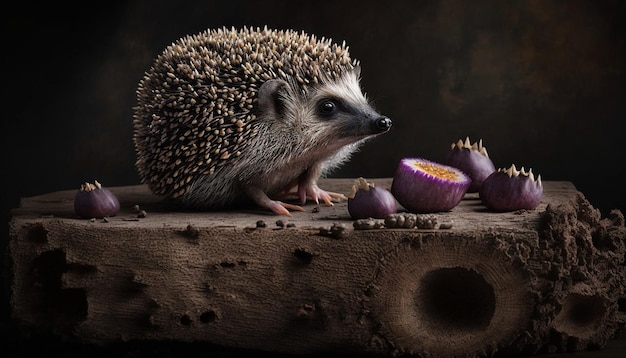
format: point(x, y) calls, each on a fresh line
point(208, 316)
point(59, 307)
point(456, 299)
point(581, 314)
point(37, 233)
point(227, 264)
point(303, 256)
point(185, 320)
point(48, 269)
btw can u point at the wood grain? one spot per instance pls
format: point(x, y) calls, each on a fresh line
point(543, 280)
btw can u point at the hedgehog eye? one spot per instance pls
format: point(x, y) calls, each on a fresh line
point(327, 107)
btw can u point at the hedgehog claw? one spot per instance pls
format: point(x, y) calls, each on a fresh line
point(277, 207)
point(309, 191)
point(280, 208)
point(292, 207)
point(315, 193)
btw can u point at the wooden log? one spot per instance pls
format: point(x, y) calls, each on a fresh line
point(477, 282)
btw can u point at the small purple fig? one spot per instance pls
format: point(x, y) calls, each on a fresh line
point(471, 159)
point(95, 201)
point(367, 201)
point(510, 190)
point(423, 186)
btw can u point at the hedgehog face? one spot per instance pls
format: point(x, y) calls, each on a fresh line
point(341, 108)
point(333, 113)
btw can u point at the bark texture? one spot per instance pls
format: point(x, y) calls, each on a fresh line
point(474, 283)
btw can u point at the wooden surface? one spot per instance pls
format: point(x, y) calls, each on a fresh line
point(469, 215)
point(544, 280)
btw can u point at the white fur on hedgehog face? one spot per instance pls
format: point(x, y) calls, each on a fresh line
point(301, 111)
point(313, 138)
point(349, 87)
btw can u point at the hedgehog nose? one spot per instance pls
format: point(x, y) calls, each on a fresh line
point(383, 124)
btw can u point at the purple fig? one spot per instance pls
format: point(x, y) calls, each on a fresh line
point(95, 201)
point(367, 201)
point(510, 190)
point(423, 186)
point(471, 159)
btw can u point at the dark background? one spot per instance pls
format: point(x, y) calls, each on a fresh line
point(541, 82)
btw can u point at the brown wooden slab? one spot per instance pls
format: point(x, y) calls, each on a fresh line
point(535, 280)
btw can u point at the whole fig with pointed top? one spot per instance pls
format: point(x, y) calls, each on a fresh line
point(95, 201)
point(368, 201)
point(471, 159)
point(510, 190)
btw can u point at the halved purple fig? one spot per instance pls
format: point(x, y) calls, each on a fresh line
point(424, 186)
point(95, 201)
point(367, 201)
point(511, 189)
point(471, 159)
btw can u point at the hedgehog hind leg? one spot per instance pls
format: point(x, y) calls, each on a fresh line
point(277, 207)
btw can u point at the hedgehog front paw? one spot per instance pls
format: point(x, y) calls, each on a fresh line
point(316, 194)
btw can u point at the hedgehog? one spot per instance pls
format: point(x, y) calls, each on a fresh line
point(228, 118)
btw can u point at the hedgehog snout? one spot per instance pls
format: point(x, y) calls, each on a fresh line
point(382, 124)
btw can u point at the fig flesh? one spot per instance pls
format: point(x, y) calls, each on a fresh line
point(95, 201)
point(471, 159)
point(510, 190)
point(367, 201)
point(424, 186)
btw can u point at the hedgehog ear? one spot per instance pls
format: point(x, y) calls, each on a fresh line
point(270, 103)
